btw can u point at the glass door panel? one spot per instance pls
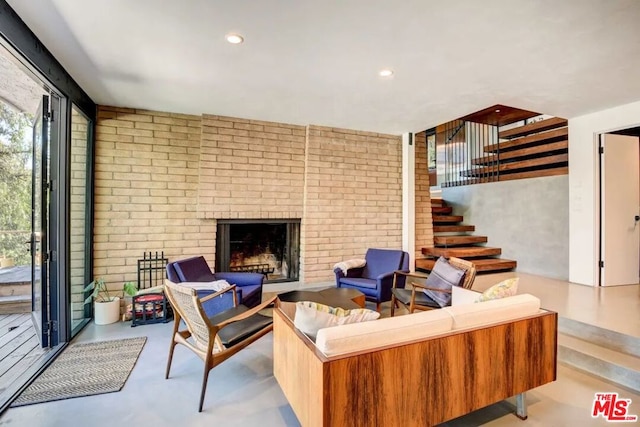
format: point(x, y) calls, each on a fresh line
point(39, 205)
point(79, 225)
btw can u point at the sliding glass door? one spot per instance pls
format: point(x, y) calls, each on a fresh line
point(80, 225)
point(39, 222)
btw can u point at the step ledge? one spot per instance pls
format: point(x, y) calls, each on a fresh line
point(604, 369)
point(600, 352)
point(614, 340)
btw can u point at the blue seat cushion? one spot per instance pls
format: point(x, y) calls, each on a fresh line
point(358, 282)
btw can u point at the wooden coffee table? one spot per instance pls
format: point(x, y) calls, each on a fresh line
point(334, 297)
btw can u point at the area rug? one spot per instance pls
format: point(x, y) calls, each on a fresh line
point(85, 369)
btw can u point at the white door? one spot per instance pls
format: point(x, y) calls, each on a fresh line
point(620, 205)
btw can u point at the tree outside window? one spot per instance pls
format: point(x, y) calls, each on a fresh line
point(15, 184)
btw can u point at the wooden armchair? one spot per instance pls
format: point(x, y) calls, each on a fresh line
point(214, 339)
point(417, 300)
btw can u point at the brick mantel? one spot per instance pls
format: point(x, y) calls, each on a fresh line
point(250, 169)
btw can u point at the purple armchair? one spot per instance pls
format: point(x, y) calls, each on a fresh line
point(196, 269)
point(375, 279)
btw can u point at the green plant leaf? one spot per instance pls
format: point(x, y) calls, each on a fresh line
point(130, 288)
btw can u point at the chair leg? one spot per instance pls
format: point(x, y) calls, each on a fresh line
point(171, 348)
point(378, 306)
point(393, 304)
point(205, 377)
point(176, 325)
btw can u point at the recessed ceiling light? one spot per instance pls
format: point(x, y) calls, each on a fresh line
point(497, 110)
point(234, 38)
point(386, 73)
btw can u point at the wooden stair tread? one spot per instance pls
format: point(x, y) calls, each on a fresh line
point(539, 126)
point(462, 251)
point(453, 228)
point(447, 218)
point(517, 165)
point(483, 265)
point(527, 140)
point(458, 240)
point(563, 170)
point(438, 202)
point(522, 152)
point(441, 209)
point(560, 170)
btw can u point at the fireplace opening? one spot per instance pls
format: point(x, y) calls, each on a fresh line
point(269, 247)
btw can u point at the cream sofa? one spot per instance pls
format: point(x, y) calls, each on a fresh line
point(416, 370)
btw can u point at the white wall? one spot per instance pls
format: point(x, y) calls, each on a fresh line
point(409, 196)
point(583, 186)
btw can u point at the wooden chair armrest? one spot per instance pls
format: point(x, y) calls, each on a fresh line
point(421, 286)
point(407, 274)
point(230, 288)
point(248, 313)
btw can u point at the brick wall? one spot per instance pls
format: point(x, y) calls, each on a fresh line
point(146, 184)
point(424, 222)
point(163, 179)
point(250, 169)
point(353, 197)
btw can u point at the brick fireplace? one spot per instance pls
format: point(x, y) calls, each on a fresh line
point(171, 182)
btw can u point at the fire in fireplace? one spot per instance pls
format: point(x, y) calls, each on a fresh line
point(269, 247)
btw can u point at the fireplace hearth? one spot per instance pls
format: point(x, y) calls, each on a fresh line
point(269, 247)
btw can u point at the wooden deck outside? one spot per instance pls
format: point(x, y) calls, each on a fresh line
point(19, 348)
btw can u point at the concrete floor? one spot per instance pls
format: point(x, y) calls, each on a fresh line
point(243, 392)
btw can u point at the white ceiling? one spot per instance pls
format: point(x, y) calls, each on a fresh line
point(316, 61)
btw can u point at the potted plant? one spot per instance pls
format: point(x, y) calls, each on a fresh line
point(106, 304)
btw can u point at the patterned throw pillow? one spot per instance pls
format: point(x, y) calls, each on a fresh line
point(311, 317)
point(443, 276)
point(506, 288)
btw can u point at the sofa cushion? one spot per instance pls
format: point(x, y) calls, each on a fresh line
point(381, 261)
point(312, 316)
point(506, 288)
point(443, 276)
point(391, 330)
point(484, 313)
point(359, 282)
point(460, 296)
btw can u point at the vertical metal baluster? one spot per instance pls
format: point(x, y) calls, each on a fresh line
point(497, 137)
point(456, 163)
point(459, 163)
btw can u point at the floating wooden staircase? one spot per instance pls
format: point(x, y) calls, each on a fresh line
point(460, 245)
point(537, 149)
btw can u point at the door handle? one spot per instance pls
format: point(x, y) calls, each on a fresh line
point(637, 218)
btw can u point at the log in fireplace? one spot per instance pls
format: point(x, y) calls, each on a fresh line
point(269, 247)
